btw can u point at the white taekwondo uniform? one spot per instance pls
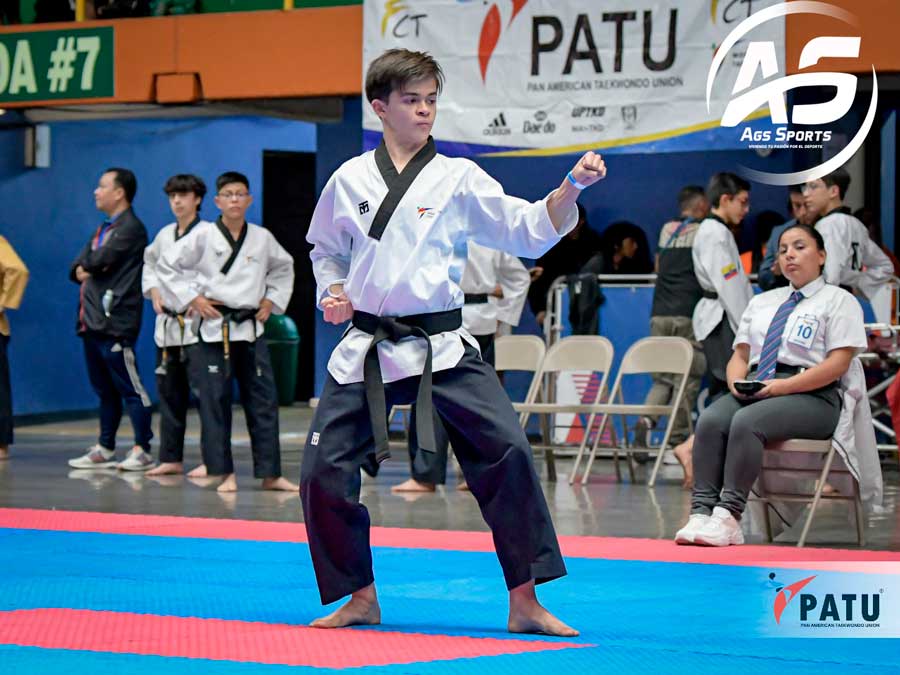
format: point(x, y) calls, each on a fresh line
point(726, 289)
point(397, 242)
point(171, 334)
point(851, 257)
point(486, 269)
point(239, 274)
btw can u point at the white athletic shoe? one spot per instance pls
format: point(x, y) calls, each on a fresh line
point(686, 534)
point(722, 529)
point(137, 460)
point(97, 457)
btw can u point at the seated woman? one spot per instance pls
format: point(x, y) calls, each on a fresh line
point(796, 342)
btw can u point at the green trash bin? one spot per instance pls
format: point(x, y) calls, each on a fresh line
point(284, 347)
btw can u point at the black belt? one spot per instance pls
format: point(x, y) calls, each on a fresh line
point(476, 298)
point(179, 317)
point(394, 329)
point(237, 315)
point(712, 295)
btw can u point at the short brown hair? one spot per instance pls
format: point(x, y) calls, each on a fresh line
point(185, 182)
point(838, 177)
point(397, 67)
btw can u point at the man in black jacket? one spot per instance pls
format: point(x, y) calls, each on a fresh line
point(108, 270)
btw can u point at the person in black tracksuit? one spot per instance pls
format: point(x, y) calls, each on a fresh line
point(108, 271)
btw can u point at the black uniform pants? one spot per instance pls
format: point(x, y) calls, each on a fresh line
point(491, 447)
point(435, 464)
point(718, 348)
point(211, 383)
point(174, 399)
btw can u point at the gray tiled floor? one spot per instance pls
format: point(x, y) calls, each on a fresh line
point(37, 476)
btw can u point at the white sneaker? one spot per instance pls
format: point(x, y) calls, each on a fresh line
point(97, 457)
point(722, 529)
point(686, 534)
point(137, 460)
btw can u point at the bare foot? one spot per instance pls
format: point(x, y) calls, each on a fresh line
point(198, 472)
point(462, 486)
point(167, 469)
point(204, 482)
point(527, 615)
point(684, 454)
point(4, 452)
point(171, 480)
point(360, 610)
point(412, 485)
point(279, 483)
point(228, 485)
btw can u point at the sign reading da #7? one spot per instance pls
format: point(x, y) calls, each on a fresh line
point(56, 64)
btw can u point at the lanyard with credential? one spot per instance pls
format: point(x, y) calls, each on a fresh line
point(678, 231)
point(102, 231)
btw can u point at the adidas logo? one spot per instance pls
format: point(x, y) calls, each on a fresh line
point(497, 127)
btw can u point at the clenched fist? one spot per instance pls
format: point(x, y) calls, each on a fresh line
point(337, 310)
point(589, 169)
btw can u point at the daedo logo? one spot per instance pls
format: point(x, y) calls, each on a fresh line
point(762, 57)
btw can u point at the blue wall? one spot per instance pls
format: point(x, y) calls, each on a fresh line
point(641, 188)
point(48, 214)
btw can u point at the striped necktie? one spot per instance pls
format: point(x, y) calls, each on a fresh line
point(769, 355)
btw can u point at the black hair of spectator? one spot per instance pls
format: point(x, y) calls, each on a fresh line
point(725, 183)
point(232, 177)
point(185, 182)
point(838, 177)
point(810, 230)
point(612, 239)
point(398, 67)
point(123, 178)
point(687, 195)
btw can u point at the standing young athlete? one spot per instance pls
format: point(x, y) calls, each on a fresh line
point(389, 235)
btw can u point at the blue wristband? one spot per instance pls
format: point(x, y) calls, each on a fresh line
point(574, 182)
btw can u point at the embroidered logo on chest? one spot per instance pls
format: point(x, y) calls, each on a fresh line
point(426, 212)
point(363, 208)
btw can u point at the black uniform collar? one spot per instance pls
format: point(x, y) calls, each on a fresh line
point(386, 165)
point(841, 209)
point(190, 227)
point(235, 244)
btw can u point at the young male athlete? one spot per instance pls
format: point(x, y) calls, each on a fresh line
point(389, 235)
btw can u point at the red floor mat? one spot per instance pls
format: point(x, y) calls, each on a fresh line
point(607, 548)
point(221, 640)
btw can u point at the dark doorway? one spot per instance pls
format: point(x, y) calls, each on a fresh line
point(289, 197)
